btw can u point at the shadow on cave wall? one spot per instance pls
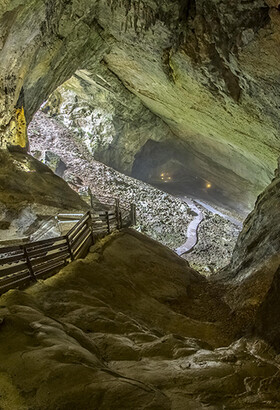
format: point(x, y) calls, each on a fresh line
point(174, 168)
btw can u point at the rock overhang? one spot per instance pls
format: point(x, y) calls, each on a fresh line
point(209, 70)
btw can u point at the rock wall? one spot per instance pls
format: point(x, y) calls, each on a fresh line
point(253, 273)
point(111, 122)
point(211, 83)
point(41, 45)
point(30, 194)
point(259, 241)
point(210, 70)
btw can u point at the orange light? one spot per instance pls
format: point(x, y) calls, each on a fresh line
point(208, 185)
point(162, 175)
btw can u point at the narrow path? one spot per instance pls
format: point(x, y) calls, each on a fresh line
point(192, 228)
point(215, 211)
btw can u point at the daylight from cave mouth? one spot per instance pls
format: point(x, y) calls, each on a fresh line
point(139, 204)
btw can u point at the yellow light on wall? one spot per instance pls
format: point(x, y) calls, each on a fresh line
point(208, 185)
point(18, 130)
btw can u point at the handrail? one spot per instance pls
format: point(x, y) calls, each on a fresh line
point(22, 264)
point(60, 218)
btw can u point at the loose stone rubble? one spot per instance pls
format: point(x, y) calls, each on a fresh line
point(216, 241)
point(160, 215)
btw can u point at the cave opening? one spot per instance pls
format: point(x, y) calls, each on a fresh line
point(163, 114)
point(86, 136)
point(171, 105)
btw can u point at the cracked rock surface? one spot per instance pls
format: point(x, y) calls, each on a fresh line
point(86, 338)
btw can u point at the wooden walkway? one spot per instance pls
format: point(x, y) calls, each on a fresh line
point(23, 264)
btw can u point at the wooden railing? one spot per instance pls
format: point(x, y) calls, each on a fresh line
point(22, 264)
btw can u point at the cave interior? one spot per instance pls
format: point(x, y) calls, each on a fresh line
point(184, 96)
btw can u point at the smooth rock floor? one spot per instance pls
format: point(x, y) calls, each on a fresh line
point(129, 327)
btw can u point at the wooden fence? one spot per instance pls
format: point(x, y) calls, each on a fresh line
point(22, 264)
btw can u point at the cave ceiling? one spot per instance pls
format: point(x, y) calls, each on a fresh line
point(209, 69)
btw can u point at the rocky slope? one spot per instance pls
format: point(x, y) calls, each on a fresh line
point(91, 330)
point(209, 70)
point(253, 273)
point(159, 215)
point(111, 122)
point(30, 193)
point(216, 242)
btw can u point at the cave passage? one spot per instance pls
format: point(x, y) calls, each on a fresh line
point(180, 172)
point(171, 105)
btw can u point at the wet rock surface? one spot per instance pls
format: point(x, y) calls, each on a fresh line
point(91, 330)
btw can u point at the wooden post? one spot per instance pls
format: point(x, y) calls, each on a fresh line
point(91, 198)
point(133, 214)
point(118, 213)
point(108, 222)
point(69, 248)
point(90, 226)
point(28, 262)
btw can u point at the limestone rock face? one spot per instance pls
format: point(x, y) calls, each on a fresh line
point(208, 69)
point(212, 92)
point(259, 242)
point(41, 44)
point(29, 194)
point(125, 329)
point(159, 215)
point(254, 269)
point(111, 122)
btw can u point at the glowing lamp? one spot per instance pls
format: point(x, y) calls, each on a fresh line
point(208, 185)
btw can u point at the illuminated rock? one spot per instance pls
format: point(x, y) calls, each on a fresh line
point(210, 72)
